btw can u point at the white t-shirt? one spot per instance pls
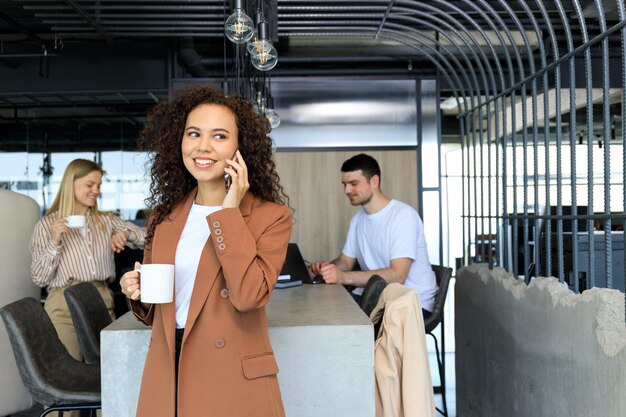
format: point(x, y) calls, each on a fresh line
point(394, 232)
point(188, 252)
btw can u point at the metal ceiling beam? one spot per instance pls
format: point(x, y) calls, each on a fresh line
point(135, 15)
point(106, 23)
point(77, 8)
point(47, 46)
point(127, 7)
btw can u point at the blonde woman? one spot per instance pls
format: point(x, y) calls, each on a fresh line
point(64, 256)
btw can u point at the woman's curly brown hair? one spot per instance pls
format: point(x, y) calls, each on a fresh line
point(162, 136)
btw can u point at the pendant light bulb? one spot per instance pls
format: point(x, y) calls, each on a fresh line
point(271, 114)
point(239, 27)
point(253, 45)
point(257, 103)
point(264, 56)
point(273, 118)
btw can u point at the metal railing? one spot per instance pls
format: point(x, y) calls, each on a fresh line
point(539, 91)
point(528, 229)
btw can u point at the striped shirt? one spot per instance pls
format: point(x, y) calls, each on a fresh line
point(84, 254)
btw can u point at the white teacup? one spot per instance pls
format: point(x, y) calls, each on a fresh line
point(156, 283)
point(76, 221)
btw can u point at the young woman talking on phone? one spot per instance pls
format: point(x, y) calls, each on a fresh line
point(210, 353)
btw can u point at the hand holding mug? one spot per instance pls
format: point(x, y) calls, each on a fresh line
point(57, 229)
point(129, 283)
point(150, 283)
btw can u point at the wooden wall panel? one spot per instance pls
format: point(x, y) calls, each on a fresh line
point(312, 180)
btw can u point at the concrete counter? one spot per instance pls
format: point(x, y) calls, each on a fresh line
point(324, 346)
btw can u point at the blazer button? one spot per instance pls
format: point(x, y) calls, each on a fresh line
point(217, 232)
point(224, 293)
point(221, 246)
point(216, 224)
point(219, 343)
point(219, 239)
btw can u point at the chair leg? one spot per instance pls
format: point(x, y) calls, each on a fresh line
point(442, 378)
point(60, 408)
point(443, 365)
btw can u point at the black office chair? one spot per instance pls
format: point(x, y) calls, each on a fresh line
point(89, 315)
point(371, 293)
point(124, 262)
point(48, 372)
point(442, 275)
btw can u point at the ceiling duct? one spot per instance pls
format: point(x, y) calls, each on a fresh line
point(190, 58)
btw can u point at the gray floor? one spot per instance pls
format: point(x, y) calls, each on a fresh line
point(450, 388)
point(450, 383)
point(33, 412)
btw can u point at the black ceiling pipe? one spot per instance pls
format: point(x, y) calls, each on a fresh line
point(190, 58)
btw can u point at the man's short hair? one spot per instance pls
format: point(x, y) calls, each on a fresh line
point(365, 163)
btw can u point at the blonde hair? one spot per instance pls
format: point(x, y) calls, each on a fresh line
point(64, 202)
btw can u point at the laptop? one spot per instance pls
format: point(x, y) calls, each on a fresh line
point(294, 270)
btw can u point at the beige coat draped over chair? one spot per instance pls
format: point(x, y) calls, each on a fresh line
point(403, 384)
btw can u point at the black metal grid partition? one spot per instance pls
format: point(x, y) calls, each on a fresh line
point(538, 86)
point(543, 139)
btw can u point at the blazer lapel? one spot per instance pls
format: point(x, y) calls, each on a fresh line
point(208, 270)
point(169, 231)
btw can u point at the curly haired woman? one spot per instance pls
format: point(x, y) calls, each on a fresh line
point(210, 353)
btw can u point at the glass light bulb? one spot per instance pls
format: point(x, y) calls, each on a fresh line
point(257, 103)
point(273, 118)
point(254, 42)
point(239, 27)
point(264, 57)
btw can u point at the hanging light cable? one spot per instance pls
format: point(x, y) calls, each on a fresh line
point(239, 27)
point(254, 41)
point(264, 57)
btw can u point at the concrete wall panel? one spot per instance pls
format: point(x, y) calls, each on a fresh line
point(537, 350)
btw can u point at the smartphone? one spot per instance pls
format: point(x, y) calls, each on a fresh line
point(227, 179)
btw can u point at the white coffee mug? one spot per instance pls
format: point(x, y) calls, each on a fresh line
point(76, 221)
point(156, 283)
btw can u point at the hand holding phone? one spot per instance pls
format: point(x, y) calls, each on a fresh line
point(227, 178)
point(235, 181)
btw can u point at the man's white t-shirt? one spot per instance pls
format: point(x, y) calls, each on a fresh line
point(394, 232)
point(188, 252)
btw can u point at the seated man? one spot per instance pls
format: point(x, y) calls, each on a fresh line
point(386, 237)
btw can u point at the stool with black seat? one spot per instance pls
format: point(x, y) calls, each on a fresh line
point(89, 315)
point(124, 262)
point(48, 372)
point(371, 293)
point(442, 275)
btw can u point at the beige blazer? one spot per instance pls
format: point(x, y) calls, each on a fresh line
point(403, 384)
point(227, 366)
